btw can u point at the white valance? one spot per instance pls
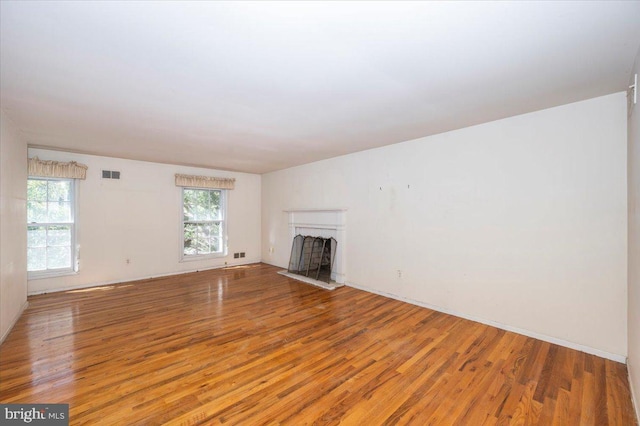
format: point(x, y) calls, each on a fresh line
point(205, 182)
point(57, 169)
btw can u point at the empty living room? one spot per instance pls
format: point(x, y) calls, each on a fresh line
point(312, 212)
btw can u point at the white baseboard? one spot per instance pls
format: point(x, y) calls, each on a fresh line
point(634, 395)
point(15, 320)
point(528, 333)
point(169, 274)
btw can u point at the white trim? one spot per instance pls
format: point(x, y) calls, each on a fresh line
point(103, 283)
point(315, 210)
point(316, 226)
point(634, 395)
point(201, 257)
point(52, 273)
point(327, 286)
point(13, 323)
point(528, 333)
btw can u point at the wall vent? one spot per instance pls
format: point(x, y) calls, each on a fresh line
point(110, 174)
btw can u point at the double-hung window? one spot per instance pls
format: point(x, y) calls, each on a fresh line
point(203, 223)
point(51, 228)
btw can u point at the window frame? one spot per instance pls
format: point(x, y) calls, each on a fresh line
point(223, 226)
point(73, 224)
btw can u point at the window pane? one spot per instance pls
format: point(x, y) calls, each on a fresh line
point(215, 245)
point(36, 211)
point(189, 238)
point(36, 236)
point(58, 257)
point(59, 236)
point(216, 229)
point(36, 259)
point(59, 211)
point(202, 241)
point(59, 190)
point(188, 204)
point(196, 205)
point(202, 211)
point(214, 205)
point(37, 190)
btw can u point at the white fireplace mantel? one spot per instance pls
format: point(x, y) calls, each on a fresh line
point(324, 223)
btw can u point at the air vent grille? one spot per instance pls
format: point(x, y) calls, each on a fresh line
point(110, 174)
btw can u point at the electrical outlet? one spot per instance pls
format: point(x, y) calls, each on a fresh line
point(236, 255)
point(272, 249)
point(241, 254)
point(399, 273)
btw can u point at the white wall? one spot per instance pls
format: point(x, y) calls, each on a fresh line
point(138, 218)
point(633, 132)
point(13, 217)
point(520, 222)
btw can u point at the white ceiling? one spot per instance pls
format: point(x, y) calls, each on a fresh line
point(262, 86)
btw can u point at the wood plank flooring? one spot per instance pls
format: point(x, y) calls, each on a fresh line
point(246, 346)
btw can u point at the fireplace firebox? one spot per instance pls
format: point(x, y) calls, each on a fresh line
point(313, 257)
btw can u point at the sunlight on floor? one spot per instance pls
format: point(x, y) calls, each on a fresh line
point(103, 288)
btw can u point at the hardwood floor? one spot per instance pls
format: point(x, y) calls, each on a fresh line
point(246, 346)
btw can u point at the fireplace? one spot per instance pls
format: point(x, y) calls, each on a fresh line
point(326, 224)
point(313, 257)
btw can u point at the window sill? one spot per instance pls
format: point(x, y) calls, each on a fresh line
point(202, 257)
point(50, 274)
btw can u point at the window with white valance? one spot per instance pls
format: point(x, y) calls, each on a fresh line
point(204, 215)
point(51, 217)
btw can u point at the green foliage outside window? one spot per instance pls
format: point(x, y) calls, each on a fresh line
point(49, 224)
point(202, 221)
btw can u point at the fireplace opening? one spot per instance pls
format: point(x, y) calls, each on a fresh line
point(313, 257)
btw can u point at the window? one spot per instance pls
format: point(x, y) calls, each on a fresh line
point(50, 227)
point(203, 223)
